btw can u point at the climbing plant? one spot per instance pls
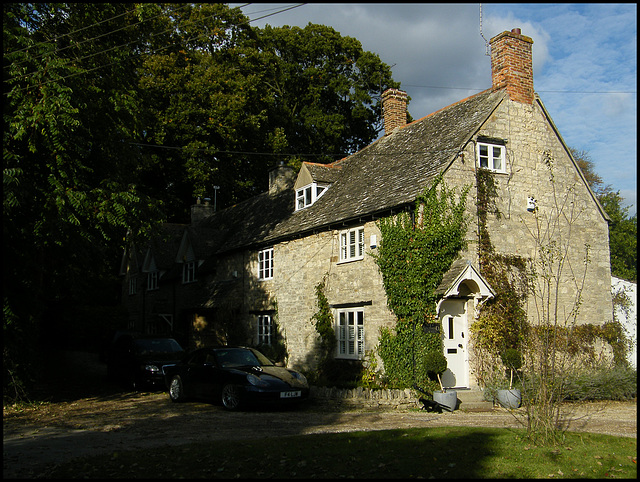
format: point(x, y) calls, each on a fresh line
point(502, 322)
point(416, 250)
point(323, 322)
point(276, 351)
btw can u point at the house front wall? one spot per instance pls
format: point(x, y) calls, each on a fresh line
point(532, 148)
point(534, 152)
point(300, 265)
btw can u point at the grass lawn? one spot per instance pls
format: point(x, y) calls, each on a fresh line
point(439, 452)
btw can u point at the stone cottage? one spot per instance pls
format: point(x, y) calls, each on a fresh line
point(239, 274)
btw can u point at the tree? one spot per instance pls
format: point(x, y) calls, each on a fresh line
point(326, 90)
point(227, 103)
point(117, 115)
point(623, 236)
point(70, 107)
point(623, 229)
point(205, 110)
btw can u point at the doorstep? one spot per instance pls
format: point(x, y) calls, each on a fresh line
point(472, 400)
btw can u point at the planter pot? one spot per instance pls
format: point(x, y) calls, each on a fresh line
point(448, 399)
point(509, 398)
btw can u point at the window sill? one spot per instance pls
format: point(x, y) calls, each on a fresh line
point(493, 171)
point(352, 260)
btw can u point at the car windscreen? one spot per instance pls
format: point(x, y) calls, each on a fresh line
point(157, 345)
point(238, 357)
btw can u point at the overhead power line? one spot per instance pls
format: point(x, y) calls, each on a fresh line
point(477, 89)
point(76, 44)
point(288, 154)
point(31, 74)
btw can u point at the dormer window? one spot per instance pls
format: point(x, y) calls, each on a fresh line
point(491, 156)
point(309, 194)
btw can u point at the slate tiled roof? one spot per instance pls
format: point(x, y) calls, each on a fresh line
point(164, 247)
point(456, 269)
point(388, 174)
point(323, 172)
point(250, 222)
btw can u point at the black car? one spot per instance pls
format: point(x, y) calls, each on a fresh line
point(234, 376)
point(137, 360)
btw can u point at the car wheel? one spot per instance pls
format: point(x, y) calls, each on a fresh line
point(231, 397)
point(176, 390)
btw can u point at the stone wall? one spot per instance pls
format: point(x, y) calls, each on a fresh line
point(366, 398)
point(300, 265)
point(532, 144)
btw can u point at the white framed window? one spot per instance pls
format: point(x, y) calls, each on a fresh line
point(350, 333)
point(492, 156)
point(265, 330)
point(189, 272)
point(309, 194)
point(352, 244)
point(265, 264)
point(152, 280)
point(133, 285)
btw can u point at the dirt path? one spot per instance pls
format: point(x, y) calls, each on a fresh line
point(111, 420)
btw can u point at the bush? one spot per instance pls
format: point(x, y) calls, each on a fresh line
point(617, 383)
point(512, 359)
point(338, 373)
point(435, 362)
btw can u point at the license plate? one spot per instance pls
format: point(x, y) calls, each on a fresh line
point(290, 394)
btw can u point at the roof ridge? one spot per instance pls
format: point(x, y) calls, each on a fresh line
point(330, 165)
point(489, 90)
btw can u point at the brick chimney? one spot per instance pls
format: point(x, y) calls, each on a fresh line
point(394, 108)
point(511, 65)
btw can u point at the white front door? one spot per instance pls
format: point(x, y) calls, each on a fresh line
point(456, 338)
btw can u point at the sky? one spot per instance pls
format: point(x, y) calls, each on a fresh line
point(584, 63)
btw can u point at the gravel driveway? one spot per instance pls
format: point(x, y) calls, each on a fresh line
point(92, 417)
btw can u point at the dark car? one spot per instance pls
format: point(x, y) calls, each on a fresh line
point(236, 377)
point(137, 360)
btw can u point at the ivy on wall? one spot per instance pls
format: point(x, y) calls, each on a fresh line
point(277, 350)
point(416, 250)
point(502, 323)
point(323, 322)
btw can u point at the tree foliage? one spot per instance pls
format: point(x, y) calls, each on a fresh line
point(70, 107)
point(325, 89)
point(623, 229)
point(117, 116)
point(227, 103)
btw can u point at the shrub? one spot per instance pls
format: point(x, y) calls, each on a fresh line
point(435, 362)
point(338, 373)
point(605, 383)
point(511, 358)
